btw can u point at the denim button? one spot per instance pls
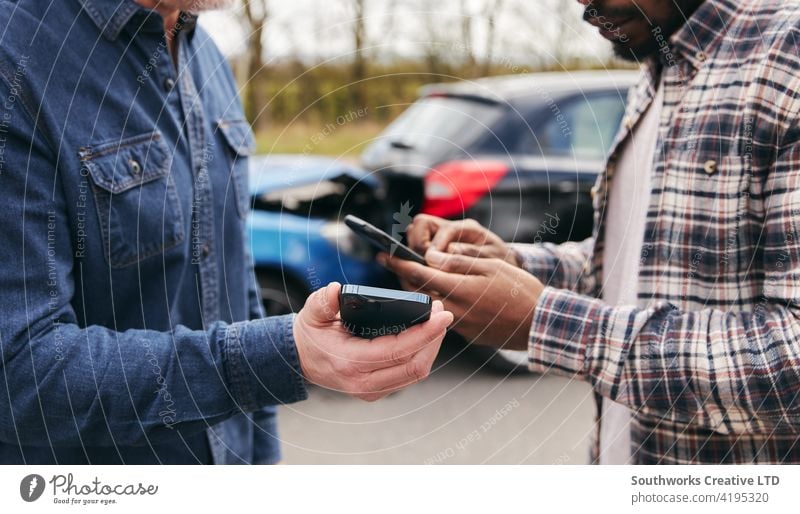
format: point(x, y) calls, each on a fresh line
point(169, 83)
point(136, 168)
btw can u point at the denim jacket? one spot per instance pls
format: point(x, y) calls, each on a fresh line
point(126, 282)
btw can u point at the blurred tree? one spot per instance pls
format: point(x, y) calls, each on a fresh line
point(554, 45)
point(493, 11)
point(388, 28)
point(256, 14)
point(359, 34)
point(327, 59)
point(467, 36)
point(564, 50)
point(438, 39)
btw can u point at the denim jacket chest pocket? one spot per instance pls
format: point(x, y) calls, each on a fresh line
point(137, 204)
point(240, 145)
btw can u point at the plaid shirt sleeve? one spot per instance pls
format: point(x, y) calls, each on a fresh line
point(564, 266)
point(728, 371)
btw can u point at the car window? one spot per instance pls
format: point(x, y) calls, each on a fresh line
point(583, 127)
point(436, 125)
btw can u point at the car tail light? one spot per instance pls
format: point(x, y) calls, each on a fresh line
point(454, 187)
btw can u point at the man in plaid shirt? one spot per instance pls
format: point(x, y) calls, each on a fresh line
point(707, 356)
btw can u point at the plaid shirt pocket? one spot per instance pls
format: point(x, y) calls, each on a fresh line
point(701, 210)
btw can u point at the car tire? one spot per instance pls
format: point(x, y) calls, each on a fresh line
point(280, 296)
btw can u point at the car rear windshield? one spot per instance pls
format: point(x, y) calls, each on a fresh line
point(581, 126)
point(437, 125)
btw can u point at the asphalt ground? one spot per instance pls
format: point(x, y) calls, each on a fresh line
point(464, 413)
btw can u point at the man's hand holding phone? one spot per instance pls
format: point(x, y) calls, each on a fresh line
point(461, 237)
point(479, 280)
point(333, 358)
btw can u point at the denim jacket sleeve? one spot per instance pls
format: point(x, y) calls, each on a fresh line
point(266, 441)
point(63, 384)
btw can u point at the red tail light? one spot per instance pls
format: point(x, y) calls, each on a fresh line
point(455, 186)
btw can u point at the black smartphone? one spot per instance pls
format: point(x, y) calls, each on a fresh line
point(371, 312)
point(382, 240)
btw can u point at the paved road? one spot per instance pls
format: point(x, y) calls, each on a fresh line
point(463, 414)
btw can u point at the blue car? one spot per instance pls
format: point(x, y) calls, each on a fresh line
point(298, 240)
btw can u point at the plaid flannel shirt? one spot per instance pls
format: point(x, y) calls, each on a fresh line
point(709, 359)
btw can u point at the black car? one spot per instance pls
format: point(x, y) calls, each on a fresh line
point(519, 154)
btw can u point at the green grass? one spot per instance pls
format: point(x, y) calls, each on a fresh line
point(335, 139)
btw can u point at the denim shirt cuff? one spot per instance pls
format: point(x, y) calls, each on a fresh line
point(262, 364)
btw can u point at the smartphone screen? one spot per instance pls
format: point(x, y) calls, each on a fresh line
point(382, 240)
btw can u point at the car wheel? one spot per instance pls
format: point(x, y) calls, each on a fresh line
point(280, 296)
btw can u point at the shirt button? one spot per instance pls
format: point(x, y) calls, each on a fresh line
point(710, 167)
point(136, 168)
point(701, 56)
point(169, 83)
point(205, 251)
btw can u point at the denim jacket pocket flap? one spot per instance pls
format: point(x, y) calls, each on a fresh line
point(119, 165)
point(239, 136)
point(138, 207)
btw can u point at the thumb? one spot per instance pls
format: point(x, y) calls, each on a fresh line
point(323, 305)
